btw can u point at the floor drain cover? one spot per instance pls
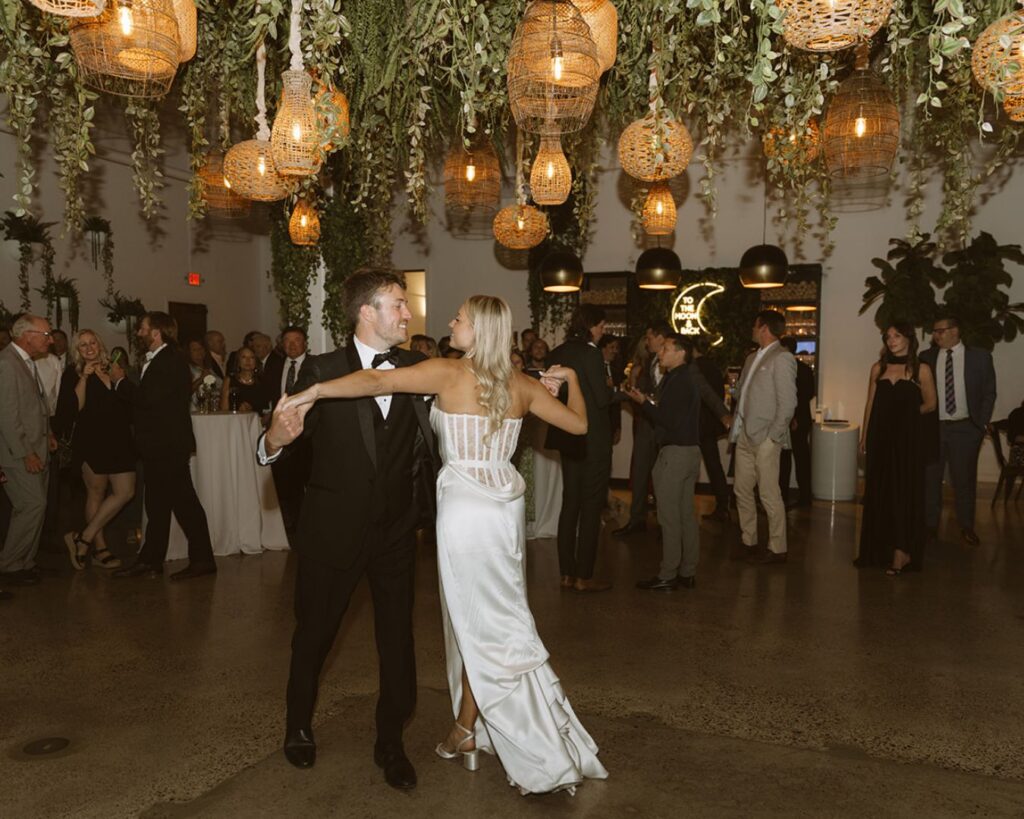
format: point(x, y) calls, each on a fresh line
point(47, 745)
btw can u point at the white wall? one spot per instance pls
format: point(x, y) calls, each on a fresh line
point(849, 343)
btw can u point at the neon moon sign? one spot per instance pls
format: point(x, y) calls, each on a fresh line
point(688, 309)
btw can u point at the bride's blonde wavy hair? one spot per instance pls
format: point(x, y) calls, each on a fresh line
point(491, 358)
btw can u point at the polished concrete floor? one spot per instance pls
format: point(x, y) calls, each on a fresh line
point(810, 689)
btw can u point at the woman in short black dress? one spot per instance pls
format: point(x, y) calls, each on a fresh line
point(896, 438)
point(101, 445)
point(250, 394)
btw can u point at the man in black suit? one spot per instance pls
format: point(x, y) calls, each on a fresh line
point(965, 382)
point(358, 518)
point(586, 459)
point(800, 433)
point(165, 441)
point(611, 351)
point(711, 429)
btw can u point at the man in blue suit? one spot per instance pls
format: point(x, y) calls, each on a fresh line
point(965, 381)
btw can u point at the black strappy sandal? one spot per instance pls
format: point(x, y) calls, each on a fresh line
point(106, 559)
point(78, 557)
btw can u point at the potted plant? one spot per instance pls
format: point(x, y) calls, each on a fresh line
point(121, 308)
point(906, 289)
point(27, 231)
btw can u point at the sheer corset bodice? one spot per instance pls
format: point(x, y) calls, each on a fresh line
point(467, 448)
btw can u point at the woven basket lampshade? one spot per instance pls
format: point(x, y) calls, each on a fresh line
point(603, 20)
point(800, 145)
point(550, 176)
point(130, 49)
point(1014, 107)
point(553, 69)
point(652, 151)
point(304, 225)
point(659, 213)
point(70, 8)
point(185, 14)
point(332, 114)
point(294, 138)
point(520, 227)
point(472, 177)
point(220, 199)
point(831, 25)
point(250, 171)
point(862, 125)
point(997, 57)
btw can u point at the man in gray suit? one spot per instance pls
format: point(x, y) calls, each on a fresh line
point(25, 446)
point(965, 381)
point(765, 403)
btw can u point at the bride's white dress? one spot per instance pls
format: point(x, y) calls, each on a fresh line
point(525, 717)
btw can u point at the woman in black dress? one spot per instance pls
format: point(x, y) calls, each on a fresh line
point(101, 444)
point(250, 394)
point(895, 439)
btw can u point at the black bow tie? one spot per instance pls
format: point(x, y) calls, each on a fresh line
point(390, 356)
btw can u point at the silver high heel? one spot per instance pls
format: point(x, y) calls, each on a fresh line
point(470, 759)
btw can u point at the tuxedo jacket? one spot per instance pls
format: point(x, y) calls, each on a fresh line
point(335, 516)
point(160, 405)
point(588, 363)
point(979, 382)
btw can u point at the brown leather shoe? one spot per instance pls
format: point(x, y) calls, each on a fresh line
point(767, 557)
point(591, 585)
point(567, 581)
point(970, 537)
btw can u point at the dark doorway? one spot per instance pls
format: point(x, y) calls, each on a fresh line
point(191, 320)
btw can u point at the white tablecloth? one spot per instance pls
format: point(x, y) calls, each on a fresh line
point(237, 493)
point(547, 481)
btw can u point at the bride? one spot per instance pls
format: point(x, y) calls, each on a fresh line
point(506, 698)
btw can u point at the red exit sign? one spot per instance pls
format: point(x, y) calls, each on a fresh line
point(194, 279)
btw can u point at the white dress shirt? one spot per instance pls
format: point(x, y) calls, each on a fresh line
point(50, 371)
point(149, 358)
point(287, 366)
point(959, 383)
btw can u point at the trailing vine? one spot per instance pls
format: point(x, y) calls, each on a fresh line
point(343, 252)
point(101, 239)
point(28, 231)
point(293, 272)
point(144, 126)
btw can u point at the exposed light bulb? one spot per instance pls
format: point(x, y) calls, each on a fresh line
point(659, 208)
point(227, 184)
point(520, 222)
point(550, 171)
point(124, 15)
point(470, 172)
point(261, 166)
point(303, 220)
point(557, 60)
point(297, 131)
point(860, 127)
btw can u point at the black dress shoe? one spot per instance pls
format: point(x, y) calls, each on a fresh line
point(299, 748)
point(398, 770)
point(6, 595)
point(138, 569)
point(25, 577)
point(629, 529)
point(195, 570)
point(687, 582)
point(657, 584)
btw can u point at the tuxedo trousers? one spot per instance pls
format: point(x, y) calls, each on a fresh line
point(169, 490)
point(584, 494)
point(322, 595)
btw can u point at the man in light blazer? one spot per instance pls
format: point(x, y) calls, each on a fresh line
point(765, 403)
point(25, 446)
point(965, 382)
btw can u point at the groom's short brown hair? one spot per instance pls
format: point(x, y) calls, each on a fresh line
point(365, 286)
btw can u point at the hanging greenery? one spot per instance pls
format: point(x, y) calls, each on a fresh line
point(55, 292)
point(101, 246)
point(127, 309)
point(293, 272)
point(343, 251)
point(28, 231)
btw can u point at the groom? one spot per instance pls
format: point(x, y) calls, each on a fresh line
point(358, 518)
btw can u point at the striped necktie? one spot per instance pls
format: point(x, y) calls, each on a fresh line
point(39, 381)
point(950, 385)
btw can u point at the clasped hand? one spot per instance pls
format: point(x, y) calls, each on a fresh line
point(554, 376)
point(287, 422)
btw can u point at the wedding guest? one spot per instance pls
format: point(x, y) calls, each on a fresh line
point(711, 429)
point(518, 363)
point(425, 345)
point(586, 459)
point(675, 415)
point(200, 366)
point(526, 339)
point(765, 402)
point(453, 353)
point(216, 346)
point(164, 438)
point(965, 382)
point(537, 355)
point(26, 442)
point(291, 474)
point(611, 348)
point(247, 341)
point(901, 389)
point(645, 447)
point(263, 346)
point(799, 432)
point(243, 391)
point(53, 366)
point(102, 449)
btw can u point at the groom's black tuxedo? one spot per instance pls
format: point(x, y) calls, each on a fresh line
point(359, 517)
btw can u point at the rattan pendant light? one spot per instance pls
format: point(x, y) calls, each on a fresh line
point(70, 8)
point(657, 146)
point(550, 176)
point(800, 145)
point(217, 193)
point(249, 166)
point(332, 117)
point(659, 213)
point(831, 25)
point(553, 69)
point(185, 14)
point(997, 57)
point(131, 49)
point(520, 226)
point(603, 20)
point(304, 224)
point(862, 125)
point(294, 138)
point(472, 177)
point(1013, 105)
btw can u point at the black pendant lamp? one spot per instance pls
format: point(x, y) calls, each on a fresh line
point(658, 268)
point(764, 265)
point(561, 272)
